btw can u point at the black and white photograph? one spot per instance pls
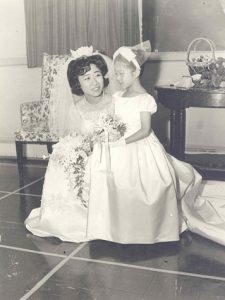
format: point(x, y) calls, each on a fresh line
point(112, 150)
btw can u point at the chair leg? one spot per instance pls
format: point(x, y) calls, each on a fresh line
point(19, 154)
point(49, 147)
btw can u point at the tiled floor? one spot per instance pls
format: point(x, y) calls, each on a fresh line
point(46, 268)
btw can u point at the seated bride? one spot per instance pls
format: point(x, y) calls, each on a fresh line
point(79, 100)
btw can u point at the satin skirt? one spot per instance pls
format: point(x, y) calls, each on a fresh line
point(141, 194)
point(61, 214)
point(136, 192)
point(205, 214)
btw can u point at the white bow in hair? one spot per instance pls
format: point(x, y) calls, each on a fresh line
point(125, 52)
point(128, 54)
point(136, 58)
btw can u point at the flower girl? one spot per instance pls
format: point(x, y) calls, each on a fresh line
point(139, 193)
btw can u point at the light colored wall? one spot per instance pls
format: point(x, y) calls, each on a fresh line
point(205, 128)
point(17, 83)
point(12, 29)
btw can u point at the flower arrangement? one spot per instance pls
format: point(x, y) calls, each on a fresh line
point(72, 152)
point(109, 126)
point(211, 76)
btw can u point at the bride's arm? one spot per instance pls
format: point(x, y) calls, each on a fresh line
point(144, 131)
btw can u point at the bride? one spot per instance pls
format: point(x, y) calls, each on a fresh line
point(61, 213)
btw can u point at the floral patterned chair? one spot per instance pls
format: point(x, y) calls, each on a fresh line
point(34, 115)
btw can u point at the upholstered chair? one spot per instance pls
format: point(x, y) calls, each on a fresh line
point(34, 115)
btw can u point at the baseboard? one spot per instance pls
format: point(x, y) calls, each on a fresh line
point(13, 61)
point(204, 150)
point(31, 161)
point(36, 152)
point(199, 149)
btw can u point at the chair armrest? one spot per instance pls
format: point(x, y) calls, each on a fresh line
point(34, 112)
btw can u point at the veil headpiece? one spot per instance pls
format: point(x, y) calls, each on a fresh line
point(62, 99)
point(137, 54)
point(82, 51)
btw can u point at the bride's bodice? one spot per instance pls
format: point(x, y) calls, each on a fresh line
point(84, 116)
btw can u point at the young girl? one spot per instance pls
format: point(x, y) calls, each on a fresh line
point(139, 193)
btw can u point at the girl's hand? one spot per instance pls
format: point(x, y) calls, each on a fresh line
point(114, 135)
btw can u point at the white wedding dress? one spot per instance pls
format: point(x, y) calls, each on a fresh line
point(61, 214)
point(141, 194)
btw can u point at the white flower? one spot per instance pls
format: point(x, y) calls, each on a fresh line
point(196, 77)
point(82, 51)
point(71, 153)
point(109, 126)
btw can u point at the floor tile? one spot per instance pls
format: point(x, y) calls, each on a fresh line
point(13, 211)
point(16, 235)
point(35, 188)
point(175, 287)
point(20, 271)
point(192, 254)
point(16, 208)
point(10, 180)
point(212, 290)
point(84, 280)
point(3, 194)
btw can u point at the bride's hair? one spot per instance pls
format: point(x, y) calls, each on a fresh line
point(81, 66)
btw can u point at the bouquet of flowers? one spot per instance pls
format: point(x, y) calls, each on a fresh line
point(109, 126)
point(72, 152)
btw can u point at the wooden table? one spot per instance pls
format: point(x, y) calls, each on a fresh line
point(177, 100)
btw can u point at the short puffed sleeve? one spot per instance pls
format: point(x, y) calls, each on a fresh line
point(147, 103)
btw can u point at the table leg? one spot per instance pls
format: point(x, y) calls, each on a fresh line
point(177, 132)
point(173, 145)
point(49, 147)
point(182, 133)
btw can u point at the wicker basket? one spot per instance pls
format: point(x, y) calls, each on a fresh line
point(197, 67)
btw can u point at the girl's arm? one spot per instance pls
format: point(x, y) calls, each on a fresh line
point(144, 131)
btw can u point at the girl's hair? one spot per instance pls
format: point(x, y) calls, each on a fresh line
point(80, 67)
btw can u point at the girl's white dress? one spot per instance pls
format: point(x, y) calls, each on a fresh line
point(141, 194)
point(61, 214)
